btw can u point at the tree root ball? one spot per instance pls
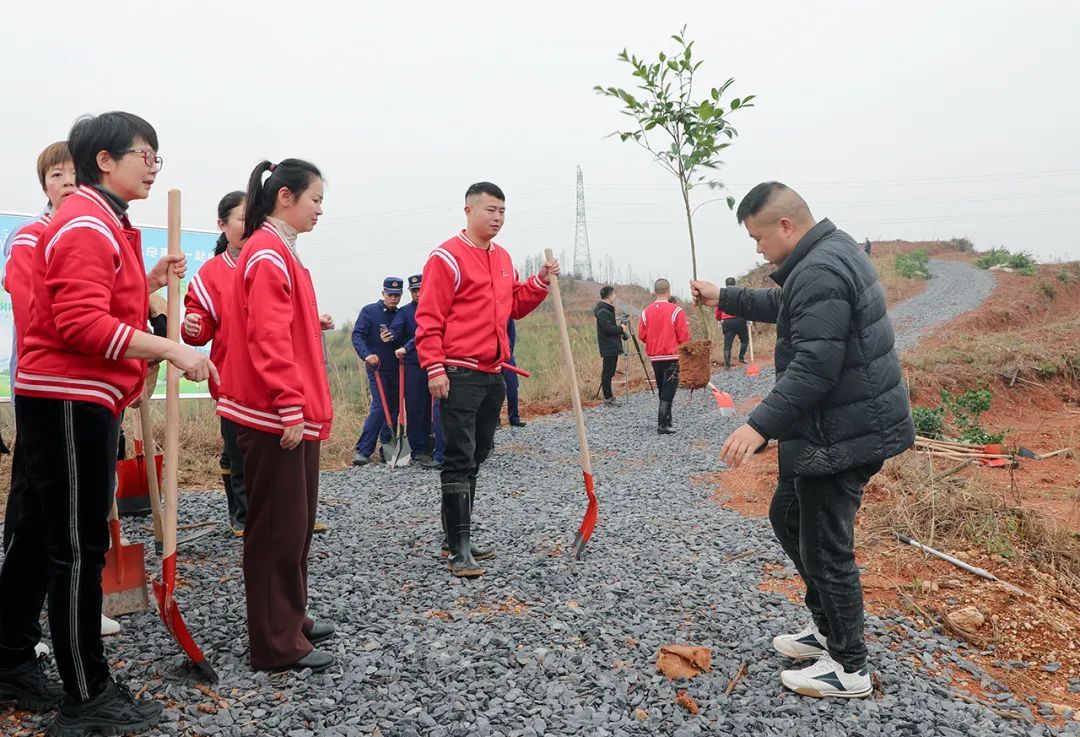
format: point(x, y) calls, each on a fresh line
point(694, 367)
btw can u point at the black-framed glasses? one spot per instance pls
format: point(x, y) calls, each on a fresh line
point(149, 155)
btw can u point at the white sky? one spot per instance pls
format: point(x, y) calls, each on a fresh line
point(908, 119)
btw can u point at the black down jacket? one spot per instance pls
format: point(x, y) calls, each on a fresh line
point(609, 336)
point(839, 399)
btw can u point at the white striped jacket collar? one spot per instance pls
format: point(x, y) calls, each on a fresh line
point(97, 199)
point(268, 226)
point(228, 259)
point(468, 241)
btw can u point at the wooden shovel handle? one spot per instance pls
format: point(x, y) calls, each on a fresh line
point(146, 432)
point(568, 355)
point(172, 386)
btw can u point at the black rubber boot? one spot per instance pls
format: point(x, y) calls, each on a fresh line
point(458, 515)
point(235, 525)
point(663, 419)
point(727, 359)
point(478, 553)
point(29, 688)
point(113, 711)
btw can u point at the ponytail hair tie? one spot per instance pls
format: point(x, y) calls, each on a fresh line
point(272, 167)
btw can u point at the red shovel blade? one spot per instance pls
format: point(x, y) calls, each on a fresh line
point(587, 524)
point(724, 401)
point(753, 370)
point(174, 622)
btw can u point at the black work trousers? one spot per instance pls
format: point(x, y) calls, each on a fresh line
point(470, 415)
point(607, 373)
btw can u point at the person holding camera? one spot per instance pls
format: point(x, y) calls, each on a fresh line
point(609, 338)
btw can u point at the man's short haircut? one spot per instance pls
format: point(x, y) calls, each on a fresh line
point(606, 291)
point(729, 282)
point(55, 154)
point(112, 132)
point(786, 201)
point(661, 286)
point(485, 188)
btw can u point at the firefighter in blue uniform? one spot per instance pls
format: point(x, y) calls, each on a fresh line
point(417, 396)
point(375, 344)
point(511, 380)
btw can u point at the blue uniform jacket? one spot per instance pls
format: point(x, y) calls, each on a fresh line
point(404, 330)
point(365, 336)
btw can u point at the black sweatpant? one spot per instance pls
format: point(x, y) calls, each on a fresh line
point(607, 373)
point(470, 415)
point(732, 327)
point(232, 465)
point(59, 542)
point(667, 379)
point(814, 520)
point(19, 478)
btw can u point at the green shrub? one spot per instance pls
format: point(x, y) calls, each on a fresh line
point(1063, 277)
point(965, 410)
point(1021, 262)
point(1048, 290)
point(962, 244)
point(929, 422)
point(914, 265)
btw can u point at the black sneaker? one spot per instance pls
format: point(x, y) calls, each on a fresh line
point(29, 688)
point(517, 423)
point(112, 712)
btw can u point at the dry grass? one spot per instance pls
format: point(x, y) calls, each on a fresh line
point(911, 497)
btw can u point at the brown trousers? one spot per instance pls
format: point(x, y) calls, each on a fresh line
point(283, 493)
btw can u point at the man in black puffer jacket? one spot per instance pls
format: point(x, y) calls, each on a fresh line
point(609, 338)
point(839, 409)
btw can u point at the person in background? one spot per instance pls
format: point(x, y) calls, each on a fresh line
point(83, 360)
point(207, 306)
point(417, 398)
point(663, 328)
point(610, 337)
point(276, 390)
point(513, 415)
point(375, 344)
point(733, 327)
point(867, 246)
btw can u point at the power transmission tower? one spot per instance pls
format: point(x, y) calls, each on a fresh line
point(582, 260)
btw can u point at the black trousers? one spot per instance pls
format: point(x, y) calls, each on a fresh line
point(19, 480)
point(607, 373)
point(232, 465)
point(470, 415)
point(58, 544)
point(814, 520)
point(732, 327)
point(667, 379)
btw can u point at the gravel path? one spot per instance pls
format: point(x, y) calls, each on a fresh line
point(543, 645)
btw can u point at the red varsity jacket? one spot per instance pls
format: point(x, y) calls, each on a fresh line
point(17, 274)
point(663, 329)
point(208, 296)
point(469, 295)
point(90, 295)
point(275, 372)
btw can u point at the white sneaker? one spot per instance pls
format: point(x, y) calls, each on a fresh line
point(826, 677)
point(41, 650)
point(109, 626)
point(809, 643)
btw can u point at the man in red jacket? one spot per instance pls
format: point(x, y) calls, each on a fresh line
point(663, 329)
point(471, 290)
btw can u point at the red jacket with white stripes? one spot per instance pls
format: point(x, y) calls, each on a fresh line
point(90, 295)
point(663, 329)
point(469, 295)
point(275, 372)
point(17, 274)
point(208, 296)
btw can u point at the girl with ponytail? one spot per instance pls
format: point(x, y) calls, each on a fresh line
point(275, 390)
point(206, 307)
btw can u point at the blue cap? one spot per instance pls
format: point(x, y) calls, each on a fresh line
point(392, 285)
point(414, 281)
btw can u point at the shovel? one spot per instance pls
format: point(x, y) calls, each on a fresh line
point(723, 401)
point(153, 470)
point(164, 590)
point(385, 409)
point(753, 369)
point(591, 513)
point(123, 582)
point(401, 455)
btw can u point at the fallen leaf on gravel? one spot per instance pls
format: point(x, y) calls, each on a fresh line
point(683, 661)
point(687, 702)
point(640, 714)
